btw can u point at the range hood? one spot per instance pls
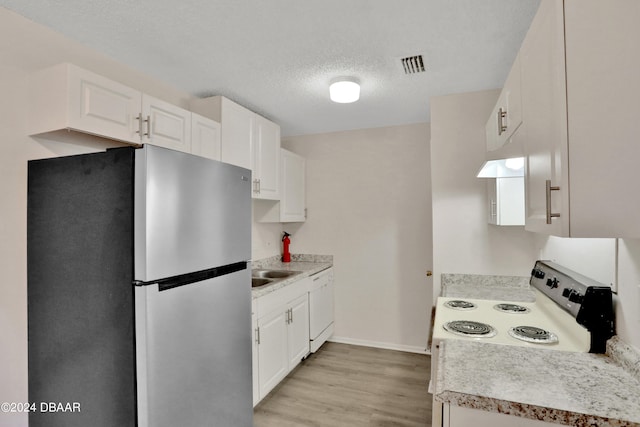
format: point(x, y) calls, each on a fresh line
point(502, 168)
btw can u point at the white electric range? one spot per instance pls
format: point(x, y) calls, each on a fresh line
point(571, 313)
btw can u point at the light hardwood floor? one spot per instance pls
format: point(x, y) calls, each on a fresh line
point(346, 385)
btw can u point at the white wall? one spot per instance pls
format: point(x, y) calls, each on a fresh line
point(463, 241)
point(26, 47)
point(369, 205)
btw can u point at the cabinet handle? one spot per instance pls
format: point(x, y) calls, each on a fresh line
point(549, 189)
point(502, 127)
point(148, 121)
point(494, 208)
point(255, 186)
point(139, 119)
point(257, 335)
point(259, 186)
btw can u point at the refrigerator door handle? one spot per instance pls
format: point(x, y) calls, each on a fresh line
point(198, 276)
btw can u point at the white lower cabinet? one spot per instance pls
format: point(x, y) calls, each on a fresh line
point(273, 357)
point(281, 334)
point(298, 331)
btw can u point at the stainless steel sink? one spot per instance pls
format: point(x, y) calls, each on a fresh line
point(273, 274)
point(256, 282)
point(262, 277)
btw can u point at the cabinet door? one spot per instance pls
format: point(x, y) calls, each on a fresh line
point(266, 158)
point(237, 126)
point(512, 100)
point(254, 357)
point(496, 125)
point(166, 125)
point(545, 123)
point(510, 199)
point(492, 199)
point(103, 107)
point(603, 88)
point(298, 330)
point(205, 137)
point(272, 350)
point(292, 202)
point(67, 97)
point(506, 116)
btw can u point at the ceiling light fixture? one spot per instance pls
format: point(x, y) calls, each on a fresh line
point(344, 90)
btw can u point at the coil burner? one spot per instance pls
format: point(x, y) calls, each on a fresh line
point(458, 304)
point(533, 334)
point(511, 308)
point(468, 328)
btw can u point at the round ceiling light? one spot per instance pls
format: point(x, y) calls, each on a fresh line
point(344, 91)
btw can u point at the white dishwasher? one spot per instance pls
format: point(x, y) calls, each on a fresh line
point(320, 308)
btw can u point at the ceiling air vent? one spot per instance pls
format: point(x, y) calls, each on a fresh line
point(413, 64)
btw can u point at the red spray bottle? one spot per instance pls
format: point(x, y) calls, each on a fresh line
point(286, 255)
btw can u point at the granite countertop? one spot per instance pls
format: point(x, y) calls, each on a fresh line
point(306, 264)
point(478, 286)
point(555, 386)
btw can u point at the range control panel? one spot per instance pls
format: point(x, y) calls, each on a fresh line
point(588, 301)
point(567, 288)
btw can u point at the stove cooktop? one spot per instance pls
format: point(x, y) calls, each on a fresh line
point(545, 324)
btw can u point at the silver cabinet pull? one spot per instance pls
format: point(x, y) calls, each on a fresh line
point(148, 121)
point(494, 209)
point(139, 119)
point(140, 122)
point(549, 189)
point(257, 335)
point(502, 127)
point(255, 186)
point(259, 189)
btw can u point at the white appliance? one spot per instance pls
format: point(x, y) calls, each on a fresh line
point(320, 309)
point(571, 313)
point(139, 295)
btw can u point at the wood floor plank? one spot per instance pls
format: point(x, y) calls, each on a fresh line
point(346, 385)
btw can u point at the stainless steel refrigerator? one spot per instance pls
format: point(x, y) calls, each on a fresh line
point(139, 294)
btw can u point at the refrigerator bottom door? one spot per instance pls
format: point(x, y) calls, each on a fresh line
point(193, 353)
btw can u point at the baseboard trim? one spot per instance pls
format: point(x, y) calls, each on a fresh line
point(384, 345)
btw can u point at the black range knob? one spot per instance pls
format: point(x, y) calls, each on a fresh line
point(538, 274)
point(566, 292)
point(552, 283)
point(576, 297)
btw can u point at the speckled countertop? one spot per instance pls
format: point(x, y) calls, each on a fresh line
point(306, 264)
point(578, 389)
point(478, 286)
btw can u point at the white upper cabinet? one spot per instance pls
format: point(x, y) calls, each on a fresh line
point(165, 125)
point(292, 203)
point(580, 128)
point(205, 137)
point(68, 97)
point(265, 143)
point(247, 140)
point(506, 116)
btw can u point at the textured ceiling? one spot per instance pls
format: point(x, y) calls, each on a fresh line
point(278, 57)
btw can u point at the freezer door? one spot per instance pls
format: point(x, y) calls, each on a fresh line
point(191, 213)
point(193, 346)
